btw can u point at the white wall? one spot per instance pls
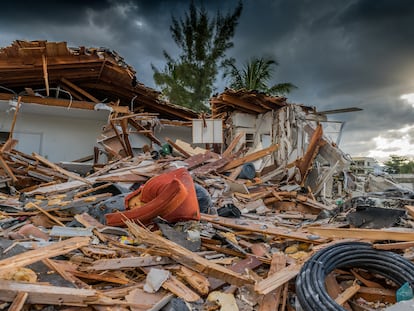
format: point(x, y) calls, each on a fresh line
point(173, 132)
point(60, 134)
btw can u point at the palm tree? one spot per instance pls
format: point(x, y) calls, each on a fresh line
point(255, 75)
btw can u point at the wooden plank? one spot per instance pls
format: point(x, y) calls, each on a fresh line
point(100, 277)
point(366, 234)
point(210, 167)
point(312, 203)
point(347, 294)
point(50, 101)
point(45, 294)
point(177, 147)
point(188, 148)
point(59, 169)
point(305, 164)
point(31, 204)
point(410, 210)
point(235, 173)
point(178, 288)
point(132, 178)
point(271, 300)
point(243, 104)
point(80, 90)
point(365, 281)
point(253, 226)
point(29, 257)
point(186, 257)
point(233, 144)
point(120, 139)
point(333, 288)
point(285, 297)
point(277, 279)
point(62, 267)
point(175, 286)
point(7, 169)
point(377, 294)
point(90, 190)
point(197, 281)
point(19, 301)
point(9, 145)
point(248, 263)
point(128, 262)
point(250, 157)
point(394, 246)
point(45, 75)
point(198, 159)
point(124, 126)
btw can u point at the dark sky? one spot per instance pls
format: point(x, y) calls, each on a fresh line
point(355, 53)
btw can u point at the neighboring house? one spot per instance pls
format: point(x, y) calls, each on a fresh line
point(364, 166)
point(66, 96)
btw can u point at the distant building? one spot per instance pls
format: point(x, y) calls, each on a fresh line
point(364, 166)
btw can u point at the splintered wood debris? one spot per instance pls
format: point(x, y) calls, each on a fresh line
point(233, 226)
point(245, 262)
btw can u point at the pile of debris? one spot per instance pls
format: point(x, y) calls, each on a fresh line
point(267, 218)
point(254, 237)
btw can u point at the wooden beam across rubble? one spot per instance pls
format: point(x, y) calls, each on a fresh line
point(186, 257)
point(29, 257)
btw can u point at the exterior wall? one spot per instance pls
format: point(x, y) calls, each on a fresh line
point(59, 135)
point(174, 132)
point(257, 129)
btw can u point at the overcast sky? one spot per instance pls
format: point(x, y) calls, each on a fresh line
point(354, 53)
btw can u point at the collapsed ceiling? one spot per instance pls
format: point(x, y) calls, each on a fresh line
point(51, 73)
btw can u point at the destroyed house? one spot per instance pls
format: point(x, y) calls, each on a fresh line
point(300, 151)
point(66, 96)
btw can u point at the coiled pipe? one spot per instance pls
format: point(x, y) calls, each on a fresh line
point(310, 282)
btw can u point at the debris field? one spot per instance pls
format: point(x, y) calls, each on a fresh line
point(269, 218)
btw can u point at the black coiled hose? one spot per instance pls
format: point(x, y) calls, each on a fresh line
point(310, 282)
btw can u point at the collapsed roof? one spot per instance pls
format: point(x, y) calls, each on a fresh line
point(82, 76)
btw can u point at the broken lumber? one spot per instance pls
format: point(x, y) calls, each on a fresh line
point(186, 257)
point(277, 279)
point(178, 148)
point(305, 164)
point(252, 226)
point(347, 294)
point(250, 157)
point(271, 300)
point(59, 169)
point(29, 257)
point(128, 262)
point(50, 295)
point(366, 234)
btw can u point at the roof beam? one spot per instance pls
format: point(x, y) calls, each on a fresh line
point(241, 103)
point(48, 101)
point(80, 90)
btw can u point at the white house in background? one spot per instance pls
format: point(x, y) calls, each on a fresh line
point(365, 165)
